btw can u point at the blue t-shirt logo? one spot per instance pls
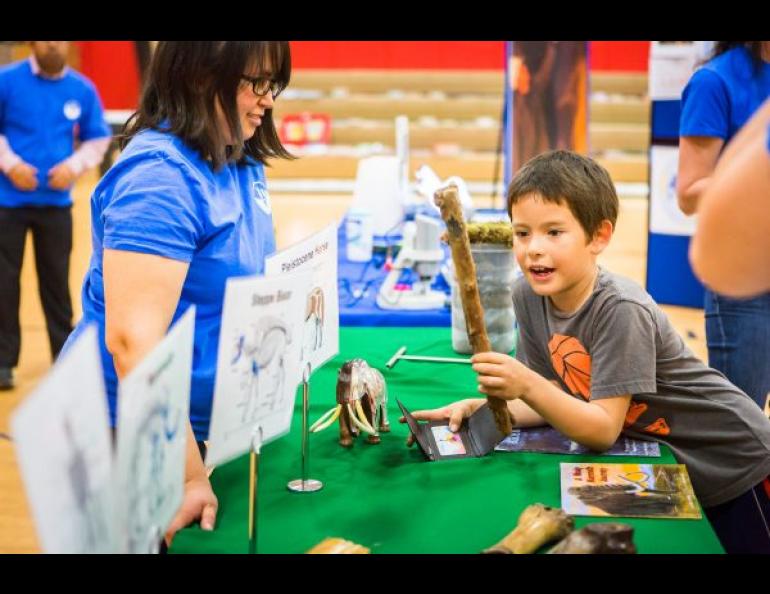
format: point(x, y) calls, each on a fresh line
point(72, 110)
point(262, 198)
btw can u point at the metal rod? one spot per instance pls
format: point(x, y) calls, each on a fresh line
point(305, 431)
point(254, 467)
point(436, 359)
point(305, 484)
point(256, 445)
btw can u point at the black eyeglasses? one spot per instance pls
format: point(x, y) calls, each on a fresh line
point(262, 86)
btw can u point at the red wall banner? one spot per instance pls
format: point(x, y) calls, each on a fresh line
point(112, 65)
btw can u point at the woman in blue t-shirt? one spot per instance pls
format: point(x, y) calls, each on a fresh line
point(719, 99)
point(184, 208)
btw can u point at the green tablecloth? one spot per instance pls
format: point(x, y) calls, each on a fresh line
point(386, 496)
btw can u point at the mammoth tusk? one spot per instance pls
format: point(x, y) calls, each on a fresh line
point(365, 427)
point(322, 423)
point(362, 417)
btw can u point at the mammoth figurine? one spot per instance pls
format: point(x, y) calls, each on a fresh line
point(362, 400)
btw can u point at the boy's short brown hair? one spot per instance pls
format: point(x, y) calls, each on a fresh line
point(565, 176)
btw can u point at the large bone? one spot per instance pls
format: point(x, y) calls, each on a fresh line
point(538, 524)
point(451, 211)
point(602, 539)
point(338, 546)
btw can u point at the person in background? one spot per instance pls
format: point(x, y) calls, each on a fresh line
point(184, 208)
point(45, 109)
point(718, 100)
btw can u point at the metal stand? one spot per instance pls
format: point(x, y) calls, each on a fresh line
point(304, 484)
point(256, 444)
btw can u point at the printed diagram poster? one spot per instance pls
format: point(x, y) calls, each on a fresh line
point(549, 440)
point(153, 414)
point(665, 215)
point(64, 451)
point(628, 490)
point(258, 363)
point(321, 325)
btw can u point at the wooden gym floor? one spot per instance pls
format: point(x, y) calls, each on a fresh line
point(296, 216)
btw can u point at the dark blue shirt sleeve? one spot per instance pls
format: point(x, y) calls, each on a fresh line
point(705, 106)
point(92, 122)
point(154, 208)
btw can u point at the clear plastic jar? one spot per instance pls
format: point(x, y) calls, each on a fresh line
point(496, 269)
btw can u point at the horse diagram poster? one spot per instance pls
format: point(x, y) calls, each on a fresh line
point(321, 334)
point(153, 415)
point(258, 363)
point(62, 441)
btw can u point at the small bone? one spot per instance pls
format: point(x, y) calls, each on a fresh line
point(320, 425)
point(602, 539)
point(538, 524)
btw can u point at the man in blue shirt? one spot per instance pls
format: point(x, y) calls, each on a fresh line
point(44, 108)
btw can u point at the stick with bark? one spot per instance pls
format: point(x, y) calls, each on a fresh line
point(465, 269)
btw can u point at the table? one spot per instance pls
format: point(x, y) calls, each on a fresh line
point(386, 496)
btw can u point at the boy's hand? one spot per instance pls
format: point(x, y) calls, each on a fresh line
point(501, 376)
point(455, 413)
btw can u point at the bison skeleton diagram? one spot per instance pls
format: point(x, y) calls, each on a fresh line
point(362, 403)
point(261, 356)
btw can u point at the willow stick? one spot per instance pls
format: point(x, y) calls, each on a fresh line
point(448, 201)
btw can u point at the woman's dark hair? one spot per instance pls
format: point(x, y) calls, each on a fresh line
point(754, 48)
point(185, 79)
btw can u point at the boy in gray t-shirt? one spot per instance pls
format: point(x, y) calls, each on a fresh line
point(597, 356)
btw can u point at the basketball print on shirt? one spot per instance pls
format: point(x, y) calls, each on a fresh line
point(572, 363)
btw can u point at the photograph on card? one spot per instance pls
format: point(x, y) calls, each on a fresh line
point(628, 490)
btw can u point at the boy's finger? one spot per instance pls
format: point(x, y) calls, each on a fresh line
point(456, 419)
point(491, 381)
point(410, 441)
point(488, 357)
point(487, 368)
point(436, 414)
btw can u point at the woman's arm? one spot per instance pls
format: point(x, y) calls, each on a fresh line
point(731, 246)
point(698, 156)
point(141, 293)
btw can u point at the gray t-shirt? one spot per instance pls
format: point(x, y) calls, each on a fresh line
point(620, 342)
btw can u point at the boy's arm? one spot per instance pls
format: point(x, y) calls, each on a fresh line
point(596, 425)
